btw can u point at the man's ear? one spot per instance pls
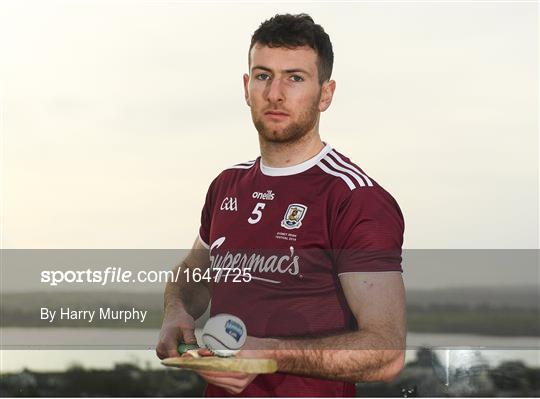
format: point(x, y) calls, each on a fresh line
point(246, 90)
point(327, 93)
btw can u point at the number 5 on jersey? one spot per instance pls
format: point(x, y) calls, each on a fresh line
point(256, 214)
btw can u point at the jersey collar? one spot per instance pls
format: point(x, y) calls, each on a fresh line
point(295, 169)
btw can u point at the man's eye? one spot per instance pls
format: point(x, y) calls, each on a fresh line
point(296, 78)
point(262, 76)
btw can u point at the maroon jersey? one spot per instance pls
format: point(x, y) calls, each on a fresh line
point(280, 237)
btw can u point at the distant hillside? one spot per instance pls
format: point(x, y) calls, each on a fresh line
point(522, 297)
point(489, 311)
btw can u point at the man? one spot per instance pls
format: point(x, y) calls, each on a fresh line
point(320, 240)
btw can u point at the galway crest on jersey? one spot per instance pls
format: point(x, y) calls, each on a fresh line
point(293, 217)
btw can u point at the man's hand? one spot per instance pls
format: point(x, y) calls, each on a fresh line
point(233, 382)
point(178, 326)
point(184, 302)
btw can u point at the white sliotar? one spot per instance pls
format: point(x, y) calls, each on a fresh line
point(224, 334)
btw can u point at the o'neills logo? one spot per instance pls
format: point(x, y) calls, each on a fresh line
point(254, 263)
point(268, 195)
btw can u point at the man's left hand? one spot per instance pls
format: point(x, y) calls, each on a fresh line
point(234, 382)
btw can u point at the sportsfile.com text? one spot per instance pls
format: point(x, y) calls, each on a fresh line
point(114, 274)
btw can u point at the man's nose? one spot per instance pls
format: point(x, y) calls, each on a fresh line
point(275, 91)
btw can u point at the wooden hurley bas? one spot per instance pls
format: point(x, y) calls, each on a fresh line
point(214, 363)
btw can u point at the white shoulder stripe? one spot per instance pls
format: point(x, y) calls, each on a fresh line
point(338, 174)
point(241, 167)
point(245, 165)
point(348, 165)
point(350, 172)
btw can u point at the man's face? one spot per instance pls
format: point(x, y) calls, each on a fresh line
point(283, 92)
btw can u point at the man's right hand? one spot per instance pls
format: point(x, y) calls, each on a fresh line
point(184, 301)
point(177, 327)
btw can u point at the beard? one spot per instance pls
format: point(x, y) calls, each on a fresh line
point(292, 132)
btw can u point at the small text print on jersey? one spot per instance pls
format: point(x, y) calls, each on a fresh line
point(293, 217)
point(229, 204)
point(268, 195)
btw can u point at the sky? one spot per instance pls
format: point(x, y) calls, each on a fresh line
point(116, 116)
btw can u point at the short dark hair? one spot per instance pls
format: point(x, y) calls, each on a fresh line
point(287, 30)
